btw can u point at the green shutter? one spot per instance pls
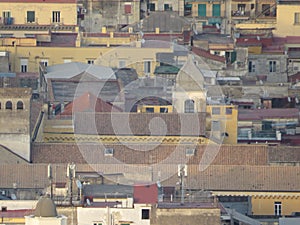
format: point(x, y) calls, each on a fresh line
point(201, 9)
point(216, 10)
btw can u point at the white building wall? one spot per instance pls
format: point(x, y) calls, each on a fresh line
point(108, 216)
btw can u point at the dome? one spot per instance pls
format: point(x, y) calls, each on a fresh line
point(45, 208)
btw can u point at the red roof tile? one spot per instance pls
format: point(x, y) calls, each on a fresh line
point(89, 103)
point(260, 114)
point(206, 54)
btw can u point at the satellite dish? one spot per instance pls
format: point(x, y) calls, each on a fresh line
point(158, 184)
point(218, 26)
point(79, 185)
point(88, 202)
point(143, 41)
point(258, 38)
point(13, 196)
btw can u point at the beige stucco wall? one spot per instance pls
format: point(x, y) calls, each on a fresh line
point(43, 12)
point(90, 215)
point(15, 135)
point(186, 216)
point(285, 21)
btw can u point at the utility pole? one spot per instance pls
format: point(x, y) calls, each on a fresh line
point(182, 172)
point(50, 177)
point(71, 175)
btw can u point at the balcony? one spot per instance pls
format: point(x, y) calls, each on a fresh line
point(6, 20)
point(236, 14)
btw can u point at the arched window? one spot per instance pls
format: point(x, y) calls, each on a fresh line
point(189, 106)
point(20, 105)
point(8, 105)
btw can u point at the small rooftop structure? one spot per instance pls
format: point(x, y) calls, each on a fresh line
point(45, 208)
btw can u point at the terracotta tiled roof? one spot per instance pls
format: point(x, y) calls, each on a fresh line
point(242, 178)
point(284, 154)
point(147, 153)
point(89, 103)
point(254, 41)
point(61, 40)
point(260, 114)
point(206, 54)
point(169, 124)
point(215, 177)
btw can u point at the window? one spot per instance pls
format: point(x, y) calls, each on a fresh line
point(149, 109)
point(6, 14)
point(109, 152)
point(96, 223)
point(251, 67)
point(0, 105)
point(202, 10)
point(8, 105)
point(163, 110)
point(216, 111)
point(145, 214)
point(228, 111)
point(24, 64)
point(216, 10)
point(216, 126)
point(272, 66)
point(122, 63)
point(20, 105)
point(189, 106)
point(147, 66)
point(151, 6)
point(67, 60)
point(167, 7)
point(241, 8)
point(127, 8)
point(297, 18)
point(44, 62)
point(266, 9)
point(90, 61)
point(277, 208)
point(30, 16)
point(56, 17)
point(190, 152)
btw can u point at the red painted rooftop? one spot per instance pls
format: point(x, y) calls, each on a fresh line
point(20, 213)
point(147, 194)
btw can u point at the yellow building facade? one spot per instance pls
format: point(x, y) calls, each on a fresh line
point(267, 203)
point(155, 109)
point(38, 12)
point(278, 204)
point(222, 121)
point(140, 58)
point(288, 19)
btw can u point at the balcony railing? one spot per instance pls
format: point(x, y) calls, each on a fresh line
point(237, 13)
point(31, 21)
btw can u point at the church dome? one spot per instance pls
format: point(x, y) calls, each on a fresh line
point(45, 208)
